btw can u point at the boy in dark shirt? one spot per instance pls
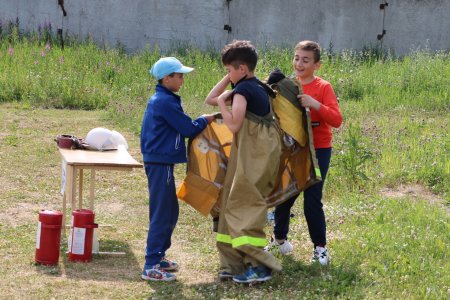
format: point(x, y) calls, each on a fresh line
point(252, 167)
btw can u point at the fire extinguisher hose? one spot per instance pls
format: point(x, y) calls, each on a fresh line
point(93, 225)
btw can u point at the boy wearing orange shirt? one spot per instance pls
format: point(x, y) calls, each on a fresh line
point(319, 97)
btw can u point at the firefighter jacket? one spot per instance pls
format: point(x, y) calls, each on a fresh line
point(209, 153)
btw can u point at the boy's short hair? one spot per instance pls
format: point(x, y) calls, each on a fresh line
point(310, 46)
point(160, 81)
point(240, 53)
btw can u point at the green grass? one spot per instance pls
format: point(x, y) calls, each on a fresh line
point(387, 195)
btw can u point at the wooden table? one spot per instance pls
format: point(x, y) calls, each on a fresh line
point(75, 161)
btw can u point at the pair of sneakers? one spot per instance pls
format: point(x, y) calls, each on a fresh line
point(320, 254)
point(253, 275)
point(161, 271)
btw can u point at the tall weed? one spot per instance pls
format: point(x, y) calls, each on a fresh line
point(352, 156)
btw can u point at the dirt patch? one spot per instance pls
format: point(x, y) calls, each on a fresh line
point(20, 214)
point(6, 185)
point(414, 191)
point(111, 208)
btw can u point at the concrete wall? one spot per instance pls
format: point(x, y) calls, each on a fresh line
point(412, 24)
point(344, 24)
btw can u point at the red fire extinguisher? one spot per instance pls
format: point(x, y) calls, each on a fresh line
point(48, 237)
point(81, 235)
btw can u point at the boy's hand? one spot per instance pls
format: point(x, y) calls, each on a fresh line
point(308, 101)
point(225, 97)
point(209, 117)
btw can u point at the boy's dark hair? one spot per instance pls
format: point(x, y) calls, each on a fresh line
point(240, 53)
point(160, 81)
point(310, 46)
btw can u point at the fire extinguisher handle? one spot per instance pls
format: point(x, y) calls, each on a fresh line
point(51, 226)
point(93, 225)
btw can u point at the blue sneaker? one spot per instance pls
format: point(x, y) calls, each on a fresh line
point(225, 275)
point(254, 274)
point(157, 274)
point(168, 265)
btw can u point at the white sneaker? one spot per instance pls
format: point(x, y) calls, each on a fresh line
point(284, 248)
point(320, 254)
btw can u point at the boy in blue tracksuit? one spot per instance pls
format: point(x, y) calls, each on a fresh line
point(164, 127)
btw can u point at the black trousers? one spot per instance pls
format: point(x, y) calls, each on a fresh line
point(312, 207)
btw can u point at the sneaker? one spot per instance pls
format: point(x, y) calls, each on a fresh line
point(320, 254)
point(284, 248)
point(168, 265)
point(254, 274)
point(224, 275)
point(157, 274)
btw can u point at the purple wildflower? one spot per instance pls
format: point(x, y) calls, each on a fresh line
point(48, 46)
point(42, 53)
point(10, 51)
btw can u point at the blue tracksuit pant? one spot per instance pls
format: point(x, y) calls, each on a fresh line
point(313, 207)
point(163, 211)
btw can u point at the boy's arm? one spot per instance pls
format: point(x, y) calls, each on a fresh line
point(218, 90)
point(234, 118)
point(182, 123)
point(328, 109)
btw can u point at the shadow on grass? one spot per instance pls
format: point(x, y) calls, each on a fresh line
point(103, 267)
point(297, 280)
point(331, 281)
point(167, 290)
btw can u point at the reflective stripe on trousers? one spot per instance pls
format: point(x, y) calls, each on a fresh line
point(242, 240)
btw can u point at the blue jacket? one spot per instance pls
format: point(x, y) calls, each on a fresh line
point(164, 127)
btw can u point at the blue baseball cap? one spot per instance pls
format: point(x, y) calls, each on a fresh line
point(168, 65)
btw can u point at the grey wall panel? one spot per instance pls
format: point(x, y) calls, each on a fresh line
point(344, 24)
point(416, 24)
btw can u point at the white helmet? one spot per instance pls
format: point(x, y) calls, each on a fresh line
point(105, 139)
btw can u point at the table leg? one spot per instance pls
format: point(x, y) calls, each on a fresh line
point(71, 186)
point(80, 190)
point(92, 190)
point(64, 212)
point(64, 192)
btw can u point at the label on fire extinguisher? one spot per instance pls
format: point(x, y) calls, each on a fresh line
point(38, 236)
point(79, 236)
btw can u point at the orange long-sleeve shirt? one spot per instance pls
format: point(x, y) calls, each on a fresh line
point(329, 115)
